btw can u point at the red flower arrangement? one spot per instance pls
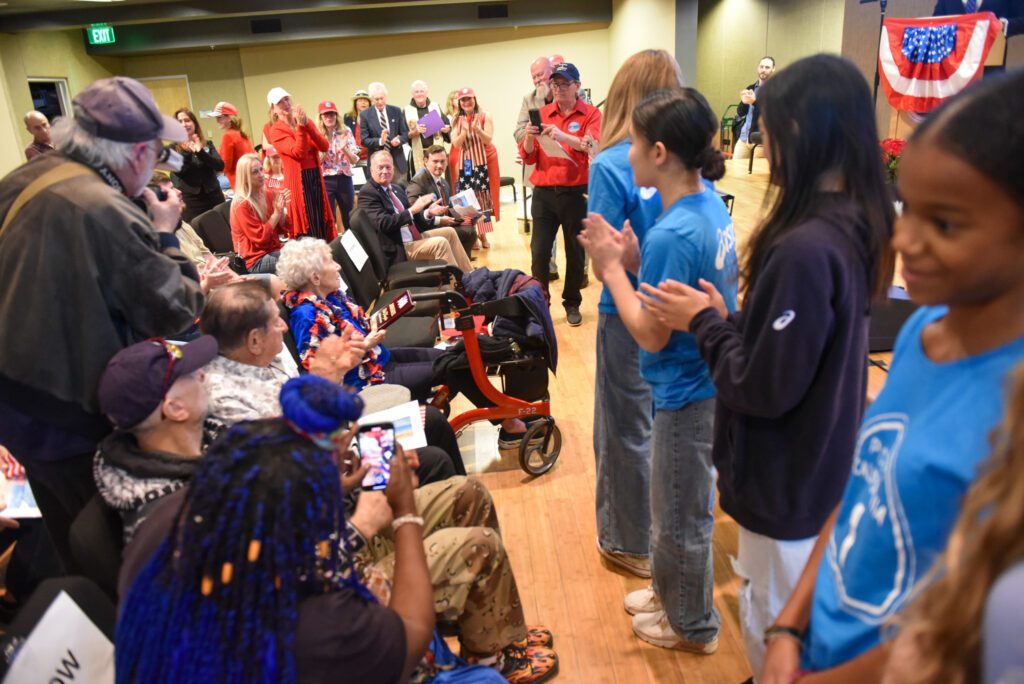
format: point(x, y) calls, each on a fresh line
point(892, 150)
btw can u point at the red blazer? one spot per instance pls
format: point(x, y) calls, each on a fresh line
point(252, 237)
point(299, 150)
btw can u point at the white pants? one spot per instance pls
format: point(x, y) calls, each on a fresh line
point(770, 569)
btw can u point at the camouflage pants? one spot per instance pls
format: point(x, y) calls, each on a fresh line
point(469, 569)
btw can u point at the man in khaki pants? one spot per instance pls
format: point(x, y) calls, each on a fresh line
point(748, 113)
point(407, 232)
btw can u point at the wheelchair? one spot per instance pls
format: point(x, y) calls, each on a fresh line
point(524, 379)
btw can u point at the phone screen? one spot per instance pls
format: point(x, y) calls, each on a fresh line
point(377, 447)
point(535, 117)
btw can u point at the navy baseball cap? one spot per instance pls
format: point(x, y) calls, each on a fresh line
point(566, 70)
point(137, 379)
point(123, 110)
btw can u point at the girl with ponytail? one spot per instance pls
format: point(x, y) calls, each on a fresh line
point(692, 240)
point(790, 369)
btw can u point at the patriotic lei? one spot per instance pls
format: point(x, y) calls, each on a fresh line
point(332, 314)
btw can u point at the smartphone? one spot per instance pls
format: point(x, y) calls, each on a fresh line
point(377, 448)
point(535, 117)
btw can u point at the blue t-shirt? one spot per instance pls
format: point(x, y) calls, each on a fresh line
point(613, 194)
point(693, 239)
point(916, 454)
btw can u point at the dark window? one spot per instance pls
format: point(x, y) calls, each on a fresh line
point(46, 98)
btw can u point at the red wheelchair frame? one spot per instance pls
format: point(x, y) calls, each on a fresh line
point(542, 443)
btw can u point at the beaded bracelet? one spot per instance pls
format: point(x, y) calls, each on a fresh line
point(405, 519)
point(779, 631)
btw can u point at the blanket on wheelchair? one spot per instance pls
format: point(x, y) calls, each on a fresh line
point(533, 330)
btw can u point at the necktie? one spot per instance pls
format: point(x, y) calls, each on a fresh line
point(399, 208)
point(971, 6)
point(383, 120)
point(440, 191)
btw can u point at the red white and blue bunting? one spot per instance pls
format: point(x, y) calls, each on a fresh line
point(922, 62)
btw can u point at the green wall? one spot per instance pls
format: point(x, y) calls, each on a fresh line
point(212, 77)
point(733, 35)
point(42, 54)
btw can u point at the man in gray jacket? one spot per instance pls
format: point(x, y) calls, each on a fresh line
point(85, 272)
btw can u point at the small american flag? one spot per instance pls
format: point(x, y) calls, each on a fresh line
point(484, 225)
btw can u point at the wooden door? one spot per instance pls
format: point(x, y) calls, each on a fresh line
point(170, 92)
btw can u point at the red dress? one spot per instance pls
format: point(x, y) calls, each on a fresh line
point(299, 155)
point(232, 147)
point(251, 236)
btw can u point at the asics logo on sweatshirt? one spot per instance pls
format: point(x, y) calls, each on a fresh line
point(785, 319)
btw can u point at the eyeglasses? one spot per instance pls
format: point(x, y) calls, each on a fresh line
point(561, 85)
point(174, 354)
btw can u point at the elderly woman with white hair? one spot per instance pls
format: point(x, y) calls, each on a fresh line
point(419, 106)
point(319, 308)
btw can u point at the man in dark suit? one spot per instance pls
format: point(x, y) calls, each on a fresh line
point(406, 230)
point(1010, 12)
point(431, 180)
point(382, 127)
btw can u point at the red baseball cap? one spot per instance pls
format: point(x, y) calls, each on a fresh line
point(327, 106)
point(225, 109)
point(466, 92)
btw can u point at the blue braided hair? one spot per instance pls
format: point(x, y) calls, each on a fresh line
point(259, 530)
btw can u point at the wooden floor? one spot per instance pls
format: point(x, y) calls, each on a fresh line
point(548, 523)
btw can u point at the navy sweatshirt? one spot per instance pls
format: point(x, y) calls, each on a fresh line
point(791, 374)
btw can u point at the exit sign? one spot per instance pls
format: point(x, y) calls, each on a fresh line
point(100, 34)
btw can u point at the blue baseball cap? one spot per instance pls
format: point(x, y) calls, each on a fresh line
point(566, 70)
point(137, 378)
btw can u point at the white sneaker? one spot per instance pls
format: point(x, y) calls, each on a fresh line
point(654, 629)
point(642, 601)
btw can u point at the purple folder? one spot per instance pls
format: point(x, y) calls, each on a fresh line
point(433, 122)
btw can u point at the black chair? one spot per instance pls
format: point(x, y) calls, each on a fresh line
point(362, 285)
point(214, 228)
point(754, 139)
point(418, 328)
point(90, 599)
point(509, 180)
point(97, 540)
point(728, 199)
point(289, 339)
point(725, 137)
point(404, 274)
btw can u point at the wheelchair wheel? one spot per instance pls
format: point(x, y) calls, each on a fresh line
point(540, 447)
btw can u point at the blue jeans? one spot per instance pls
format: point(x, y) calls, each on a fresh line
point(623, 419)
point(266, 263)
point(682, 501)
point(341, 191)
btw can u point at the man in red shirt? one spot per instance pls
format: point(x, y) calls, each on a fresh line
point(38, 125)
point(560, 180)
